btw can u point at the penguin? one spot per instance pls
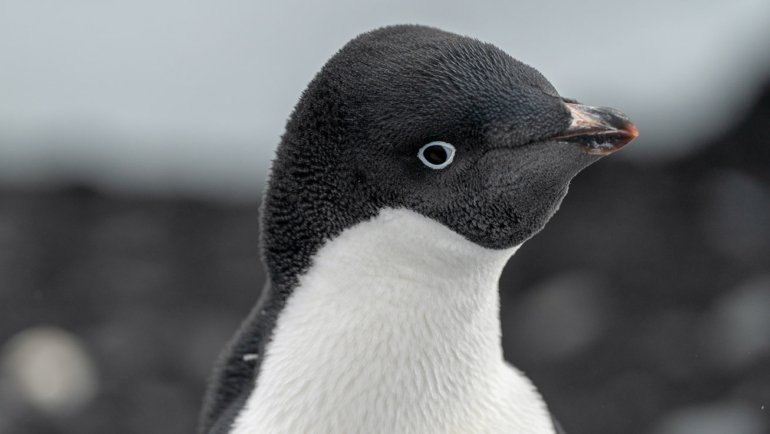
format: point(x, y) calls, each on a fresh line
point(414, 165)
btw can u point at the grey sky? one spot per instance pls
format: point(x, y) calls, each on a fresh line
point(193, 95)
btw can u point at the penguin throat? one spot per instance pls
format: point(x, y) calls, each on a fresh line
point(394, 328)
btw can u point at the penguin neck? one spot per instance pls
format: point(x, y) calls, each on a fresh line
point(408, 277)
point(393, 328)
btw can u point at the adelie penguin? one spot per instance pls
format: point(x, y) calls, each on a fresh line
point(414, 165)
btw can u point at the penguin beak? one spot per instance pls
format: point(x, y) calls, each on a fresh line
point(597, 130)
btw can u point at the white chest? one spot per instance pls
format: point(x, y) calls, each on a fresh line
point(394, 329)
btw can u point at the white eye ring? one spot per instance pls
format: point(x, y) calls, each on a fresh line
point(433, 157)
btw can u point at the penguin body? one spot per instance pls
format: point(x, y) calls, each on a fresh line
point(414, 165)
point(411, 347)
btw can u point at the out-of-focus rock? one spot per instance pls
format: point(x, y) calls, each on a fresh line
point(50, 370)
point(559, 317)
point(736, 332)
point(736, 217)
point(728, 417)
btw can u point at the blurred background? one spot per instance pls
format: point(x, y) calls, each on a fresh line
point(135, 139)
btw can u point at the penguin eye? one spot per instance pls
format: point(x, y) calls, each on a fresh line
point(437, 155)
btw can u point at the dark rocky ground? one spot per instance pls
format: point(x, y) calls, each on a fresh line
point(644, 307)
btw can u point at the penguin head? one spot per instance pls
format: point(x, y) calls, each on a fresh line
point(444, 125)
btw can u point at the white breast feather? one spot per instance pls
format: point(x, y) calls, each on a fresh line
point(394, 329)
